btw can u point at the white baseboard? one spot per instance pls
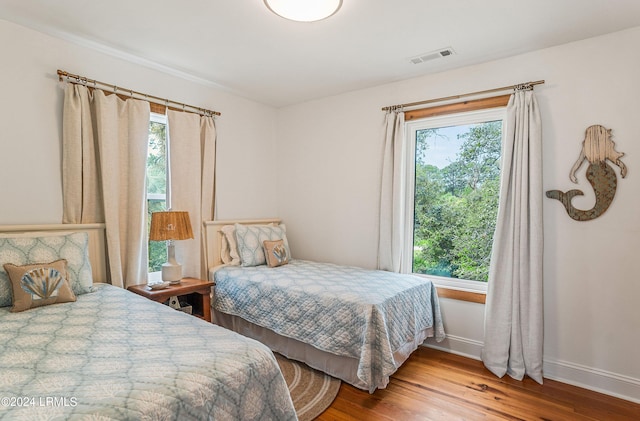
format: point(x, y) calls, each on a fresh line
point(613, 384)
point(623, 387)
point(469, 348)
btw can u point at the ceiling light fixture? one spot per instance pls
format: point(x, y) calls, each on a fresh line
point(304, 10)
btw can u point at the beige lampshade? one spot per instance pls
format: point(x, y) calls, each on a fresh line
point(170, 225)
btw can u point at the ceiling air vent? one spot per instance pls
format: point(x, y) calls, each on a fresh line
point(443, 52)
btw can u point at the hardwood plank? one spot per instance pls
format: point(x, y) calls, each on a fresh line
point(435, 385)
point(582, 400)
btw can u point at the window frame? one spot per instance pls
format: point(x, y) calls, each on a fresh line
point(436, 121)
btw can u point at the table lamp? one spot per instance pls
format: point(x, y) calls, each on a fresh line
point(170, 226)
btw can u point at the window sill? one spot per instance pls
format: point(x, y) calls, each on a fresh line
point(154, 277)
point(456, 294)
point(459, 289)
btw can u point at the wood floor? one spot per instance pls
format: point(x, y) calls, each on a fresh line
point(435, 385)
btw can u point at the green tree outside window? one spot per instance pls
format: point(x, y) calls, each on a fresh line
point(455, 205)
point(156, 188)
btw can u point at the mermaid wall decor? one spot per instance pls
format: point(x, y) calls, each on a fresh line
point(597, 148)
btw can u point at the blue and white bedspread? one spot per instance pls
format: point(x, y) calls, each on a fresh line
point(113, 355)
point(347, 311)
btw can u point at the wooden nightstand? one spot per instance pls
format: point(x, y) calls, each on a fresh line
point(193, 291)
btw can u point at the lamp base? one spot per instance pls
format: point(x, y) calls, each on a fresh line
point(172, 273)
point(171, 270)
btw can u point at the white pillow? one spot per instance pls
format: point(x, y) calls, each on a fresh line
point(250, 239)
point(229, 247)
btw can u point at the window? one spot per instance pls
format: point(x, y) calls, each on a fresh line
point(453, 196)
point(157, 185)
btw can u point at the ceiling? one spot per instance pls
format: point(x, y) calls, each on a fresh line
point(242, 47)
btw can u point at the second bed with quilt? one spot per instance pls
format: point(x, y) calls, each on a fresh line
point(355, 324)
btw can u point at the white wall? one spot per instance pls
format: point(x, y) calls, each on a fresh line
point(330, 155)
point(30, 127)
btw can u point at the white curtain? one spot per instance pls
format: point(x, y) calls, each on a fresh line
point(392, 195)
point(513, 316)
point(192, 155)
point(104, 169)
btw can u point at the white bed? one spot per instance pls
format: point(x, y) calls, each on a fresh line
point(385, 318)
point(114, 355)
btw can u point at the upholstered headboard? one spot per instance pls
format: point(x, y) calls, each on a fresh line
point(97, 245)
point(213, 236)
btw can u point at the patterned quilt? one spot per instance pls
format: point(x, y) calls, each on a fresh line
point(113, 355)
point(353, 312)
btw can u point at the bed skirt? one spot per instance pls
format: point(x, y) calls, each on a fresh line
point(341, 367)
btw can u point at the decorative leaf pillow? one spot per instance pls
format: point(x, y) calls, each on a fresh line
point(39, 285)
point(24, 249)
point(250, 239)
point(275, 253)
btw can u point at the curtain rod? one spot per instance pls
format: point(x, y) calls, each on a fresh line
point(527, 85)
point(82, 80)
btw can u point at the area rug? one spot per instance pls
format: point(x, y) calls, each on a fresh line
point(312, 391)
